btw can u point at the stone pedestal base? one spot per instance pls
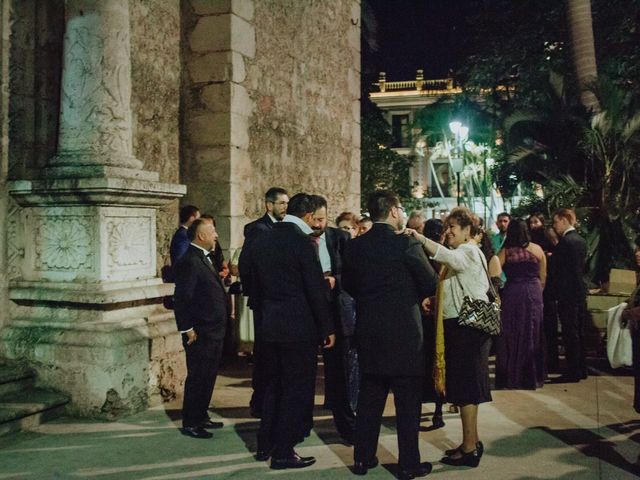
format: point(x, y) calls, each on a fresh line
point(117, 363)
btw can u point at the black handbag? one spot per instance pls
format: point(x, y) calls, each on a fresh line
point(480, 314)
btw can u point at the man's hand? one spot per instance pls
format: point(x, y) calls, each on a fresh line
point(331, 280)
point(192, 336)
point(426, 305)
point(330, 341)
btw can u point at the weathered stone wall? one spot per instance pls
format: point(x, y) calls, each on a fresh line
point(305, 81)
point(155, 93)
point(271, 97)
point(4, 156)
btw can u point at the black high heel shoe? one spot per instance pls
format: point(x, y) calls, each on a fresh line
point(452, 451)
point(468, 459)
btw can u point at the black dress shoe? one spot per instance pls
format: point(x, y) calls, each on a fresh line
point(422, 471)
point(211, 424)
point(566, 378)
point(262, 455)
point(469, 459)
point(452, 451)
point(294, 461)
point(361, 468)
point(196, 432)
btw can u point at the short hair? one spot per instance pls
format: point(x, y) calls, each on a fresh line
point(208, 216)
point(273, 193)
point(187, 212)
point(380, 204)
point(416, 215)
point(433, 229)
point(318, 201)
point(192, 231)
point(504, 214)
point(348, 216)
point(462, 216)
point(300, 205)
point(486, 247)
point(566, 213)
point(517, 234)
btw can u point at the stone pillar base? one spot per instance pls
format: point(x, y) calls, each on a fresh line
point(120, 362)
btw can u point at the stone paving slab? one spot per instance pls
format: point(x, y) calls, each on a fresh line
point(574, 431)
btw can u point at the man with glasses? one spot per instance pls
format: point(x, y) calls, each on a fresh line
point(276, 201)
point(389, 277)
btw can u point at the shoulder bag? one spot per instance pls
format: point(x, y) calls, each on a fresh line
point(480, 314)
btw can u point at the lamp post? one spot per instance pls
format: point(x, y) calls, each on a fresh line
point(460, 133)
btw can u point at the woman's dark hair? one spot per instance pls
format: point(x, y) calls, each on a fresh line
point(539, 216)
point(433, 229)
point(462, 216)
point(517, 234)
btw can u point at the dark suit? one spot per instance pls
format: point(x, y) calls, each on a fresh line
point(388, 275)
point(335, 359)
point(569, 290)
point(252, 231)
point(288, 288)
point(200, 303)
point(179, 244)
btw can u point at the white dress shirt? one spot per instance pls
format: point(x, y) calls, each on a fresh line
point(323, 253)
point(299, 222)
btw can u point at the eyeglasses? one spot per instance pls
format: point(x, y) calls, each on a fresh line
point(400, 207)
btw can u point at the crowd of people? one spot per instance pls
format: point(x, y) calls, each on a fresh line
point(380, 297)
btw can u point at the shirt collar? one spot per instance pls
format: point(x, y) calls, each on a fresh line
point(299, 222)
point(204, 250)
point(570, 229)
point(273, 219)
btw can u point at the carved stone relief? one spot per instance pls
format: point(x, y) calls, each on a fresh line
point(63, 243)
point(129, 242)
point(15, 240)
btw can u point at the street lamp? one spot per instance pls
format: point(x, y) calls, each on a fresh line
point(460, 133)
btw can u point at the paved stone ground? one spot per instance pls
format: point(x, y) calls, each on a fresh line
point(574, 431)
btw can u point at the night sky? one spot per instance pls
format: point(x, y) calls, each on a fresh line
point(414, 34)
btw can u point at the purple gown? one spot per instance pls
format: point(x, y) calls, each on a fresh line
point(520, 357)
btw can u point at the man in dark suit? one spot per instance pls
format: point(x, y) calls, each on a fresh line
point(389, 277)
point(275, 201)
point(570, 292)
point(180, 241)
point(284, 281)
point(201, 316)
point(331, 242)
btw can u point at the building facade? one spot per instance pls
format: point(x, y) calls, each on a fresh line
point(112, 113)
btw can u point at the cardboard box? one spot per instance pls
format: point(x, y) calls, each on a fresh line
point(622, 282)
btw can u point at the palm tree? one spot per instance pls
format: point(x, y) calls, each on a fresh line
point(584, 53)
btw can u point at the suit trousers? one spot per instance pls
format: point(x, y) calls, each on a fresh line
point(550, 320)
point(572, 319)
point(407, 393)
point(336, 387)
point(258, 379)
point(290, 378)
point(203, 358)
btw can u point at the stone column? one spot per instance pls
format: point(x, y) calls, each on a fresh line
point(87, 310)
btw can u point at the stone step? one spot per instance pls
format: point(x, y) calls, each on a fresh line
point(27, 409)
point(15, 377)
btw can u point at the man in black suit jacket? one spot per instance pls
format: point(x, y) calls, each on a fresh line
point(288, 287)
point(180, 241)
point(331, 243)
point(569, 290)
point(275, 201)
point(201, 316)
point(389, 277)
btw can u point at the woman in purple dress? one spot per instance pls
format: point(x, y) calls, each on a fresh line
point(520, 358)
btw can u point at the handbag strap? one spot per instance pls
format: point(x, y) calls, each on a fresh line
point(484, 267)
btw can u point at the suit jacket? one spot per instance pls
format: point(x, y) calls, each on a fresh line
point(389, 276)
point(179, 244)
point(261, 225)
point(287, 285)
point(567, 267)
point(200, 300)
point(342, 305)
